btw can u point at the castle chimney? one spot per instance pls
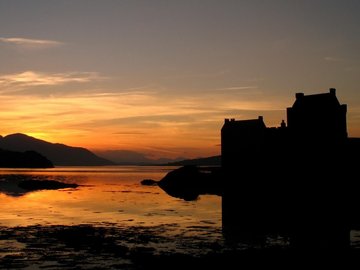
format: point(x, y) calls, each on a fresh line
point(299, 95)
point(226, 120)
point(333, 91)
point(261, 118)
point(283, 124)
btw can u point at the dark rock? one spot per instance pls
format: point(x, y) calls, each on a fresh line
point(149, 182)
point(189, 182)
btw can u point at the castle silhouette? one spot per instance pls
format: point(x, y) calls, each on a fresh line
point(292, 179)
point(313, 119)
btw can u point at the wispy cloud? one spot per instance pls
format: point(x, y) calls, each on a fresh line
point(130, 133)
point(198, 75)
point(31, 43)
point(236, 88)
point(19, 81)
point(333, 59)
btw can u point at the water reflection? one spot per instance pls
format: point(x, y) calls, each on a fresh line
point(111, 221)
point(114, 197)
point(110, 195)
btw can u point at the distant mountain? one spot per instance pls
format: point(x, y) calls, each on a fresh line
point(28, 159)
point(59, 154)
point(208, 161)
point(126, 157)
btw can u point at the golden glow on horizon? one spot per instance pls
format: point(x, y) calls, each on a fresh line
point(139, 121)
point(136, 120)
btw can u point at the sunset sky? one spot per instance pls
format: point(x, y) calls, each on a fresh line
point(160, 76)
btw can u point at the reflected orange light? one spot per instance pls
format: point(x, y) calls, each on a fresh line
point(112, 201)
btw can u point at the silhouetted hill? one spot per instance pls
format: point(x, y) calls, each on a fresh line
point(124, 157)
point(59, 154)
point(208, 161)
point(28, 159)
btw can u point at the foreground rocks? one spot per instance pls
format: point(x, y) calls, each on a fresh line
point(116, 247)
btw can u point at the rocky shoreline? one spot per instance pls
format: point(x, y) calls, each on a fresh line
point(113, 247)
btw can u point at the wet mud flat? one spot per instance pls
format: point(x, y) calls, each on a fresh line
point(96, 247)
point(113, 247)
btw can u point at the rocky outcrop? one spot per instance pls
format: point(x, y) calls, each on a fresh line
point(189, 182)
point(149, 182)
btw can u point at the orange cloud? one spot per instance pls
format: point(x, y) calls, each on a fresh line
point(18, 81)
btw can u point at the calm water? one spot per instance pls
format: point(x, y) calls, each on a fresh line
point(106, 195)
point(111, 196)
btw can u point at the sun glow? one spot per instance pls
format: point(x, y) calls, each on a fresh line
point(142, 121)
